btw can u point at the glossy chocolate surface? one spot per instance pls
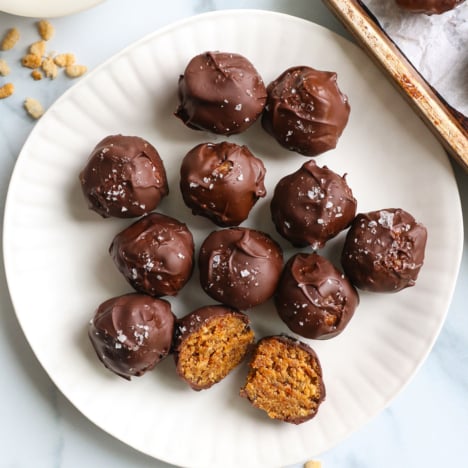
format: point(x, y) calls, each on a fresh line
point(430, 7)
point(124, 177)
point(222, 182)
point(384, 250)
point(220, 92)
point(154, 254)
point(240, 267)
point(306, 111)
point(132, 333)
point(314, 298)
point(312, 205)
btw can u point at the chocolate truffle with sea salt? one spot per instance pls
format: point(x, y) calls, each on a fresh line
point(384, 250)
point(313, 298)
point(132, 333)
point(154, 254)
point(305, 111)
point(220, 92)
point(240, 267)
point(312, 205)
point(124, 177)
point(222, 182)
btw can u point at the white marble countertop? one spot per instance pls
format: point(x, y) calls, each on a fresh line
point(426, 425)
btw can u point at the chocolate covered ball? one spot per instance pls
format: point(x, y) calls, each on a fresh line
point(124, 177)
point(154, 254)
point(220, 92)
point(305, 110)
point(240, 267)
point(132, 333)
point(222, 182)
point(209, 343)
point(313, 298)
point(285, 379)
point(384, 250)
point(429, 7)
point(312, 205)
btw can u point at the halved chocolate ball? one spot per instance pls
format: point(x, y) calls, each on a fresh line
point(285, 379)
point(209, 343)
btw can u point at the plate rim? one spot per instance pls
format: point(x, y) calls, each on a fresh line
point(151, 36)
point(29, 9)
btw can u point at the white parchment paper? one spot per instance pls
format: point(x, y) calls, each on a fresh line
point(436, 45)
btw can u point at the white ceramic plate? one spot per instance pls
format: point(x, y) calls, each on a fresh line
point(59, 270)
point(46, 8)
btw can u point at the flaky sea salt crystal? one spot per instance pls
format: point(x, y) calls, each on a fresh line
point(386, 219)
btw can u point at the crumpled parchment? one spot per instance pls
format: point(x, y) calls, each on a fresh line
point(436, 45)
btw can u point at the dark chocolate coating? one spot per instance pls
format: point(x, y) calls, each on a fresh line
point(220, 92)
point(240, 267)
point(193, 322)
point(154, 254)
point(313, 298)
point(312, 205)
point(384, 250)
point(315, 364)
point(132, 333)
point(305, 110)
point(222, 182)
point(124, 177)
point(429, 7)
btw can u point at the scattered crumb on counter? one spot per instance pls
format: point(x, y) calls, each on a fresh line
point(31, 61)
point(75, 71)
point(38, 48)
point(33, 108)
point(46, 30)
point(36, 75)
point(49, 68)
point(6, 90)
point(4, 68)
point(10, 39)
point(313, 464)
point(64, 60)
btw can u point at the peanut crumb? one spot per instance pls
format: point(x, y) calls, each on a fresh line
point(313, 464)
point(46, 30)
point(10, 39)
point(4, 68)
point(38, 48)
point(49, 68)
point(33, 108)
point(37, 75)
point(31, 61)
point(6, 90)
point(64, 60)
point(75, 71)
